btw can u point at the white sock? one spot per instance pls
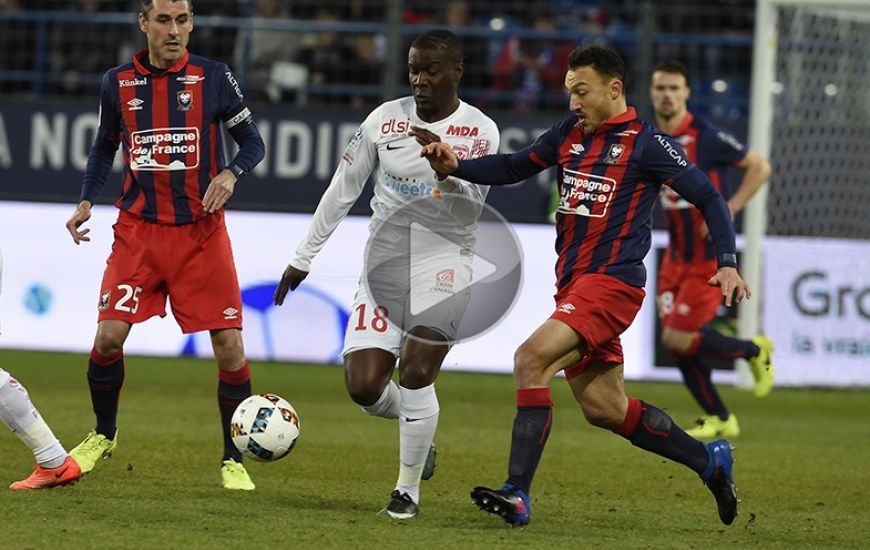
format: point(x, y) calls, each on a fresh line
point(418, 420)
point(409, 481)
point(24, 420)
point(387, 406)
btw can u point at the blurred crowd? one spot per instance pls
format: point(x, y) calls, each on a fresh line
point(516, 50)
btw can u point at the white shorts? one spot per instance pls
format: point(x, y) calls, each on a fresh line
point(436, 297)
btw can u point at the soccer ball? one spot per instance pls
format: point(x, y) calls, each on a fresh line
point(265, 427)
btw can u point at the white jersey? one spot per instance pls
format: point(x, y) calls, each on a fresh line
point(406, 188)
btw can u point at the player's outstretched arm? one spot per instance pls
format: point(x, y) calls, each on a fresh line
point(441, 157)
point(291, 279)
point(219, 191)
point(80, 216)
point(732, 284)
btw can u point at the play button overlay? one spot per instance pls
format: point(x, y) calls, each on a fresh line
point(425, 269)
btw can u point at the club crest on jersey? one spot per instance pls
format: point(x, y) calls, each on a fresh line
point(614, 153)
point(185, 100)
point(461, 151)
point(104, 300)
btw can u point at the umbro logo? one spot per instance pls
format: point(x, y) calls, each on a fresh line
point(577, 148)
point(135, 104)
point(393, 148)
point(566, 308)
point(231, 313)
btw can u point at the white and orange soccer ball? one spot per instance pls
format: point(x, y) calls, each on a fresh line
point(265, 427)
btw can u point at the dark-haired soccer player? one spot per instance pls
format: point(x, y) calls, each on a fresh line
point(165, 109)
point(407, 193)
point(612, 166)
point(685, 302)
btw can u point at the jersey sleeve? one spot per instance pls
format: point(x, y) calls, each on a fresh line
point(102, 153)
point(723, 147)
point(694, 186)
point(239, 122)
point(663, 159)
point(463, 199)
point(505, 169)
point(348, 181)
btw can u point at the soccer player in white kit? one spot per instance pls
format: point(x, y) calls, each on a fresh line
point(407, 193)
point(54, 466)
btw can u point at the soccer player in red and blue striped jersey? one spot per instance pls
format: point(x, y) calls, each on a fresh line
point(611, 168)
point(685, 302)
point(165, 109)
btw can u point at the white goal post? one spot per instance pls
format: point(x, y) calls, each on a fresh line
point(818, 29)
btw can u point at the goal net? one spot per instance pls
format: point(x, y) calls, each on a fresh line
point(820, 138)
point(810, 116)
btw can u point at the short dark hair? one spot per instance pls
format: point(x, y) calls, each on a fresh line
point(440, 40)
point(148, 4)
point(604, 61)
point(673, 67)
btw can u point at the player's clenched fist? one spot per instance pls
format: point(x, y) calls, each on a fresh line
point(80, 216)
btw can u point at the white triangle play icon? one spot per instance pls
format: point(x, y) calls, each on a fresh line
point(426, 245)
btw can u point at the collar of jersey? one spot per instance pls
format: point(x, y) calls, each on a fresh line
point(143, 54)
point(684, 126)
point(627, 116)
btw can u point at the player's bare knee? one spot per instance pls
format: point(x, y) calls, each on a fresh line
point(675, 342)
point(108, 342)
point(229, 351)
point(364, 386)
point(527, 359)
point(362, 394)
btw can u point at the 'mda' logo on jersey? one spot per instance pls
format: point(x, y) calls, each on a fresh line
point(463, 131)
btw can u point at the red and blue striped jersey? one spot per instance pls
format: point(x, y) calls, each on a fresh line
point(609, 183)
point(713, 149)
point(168, 125)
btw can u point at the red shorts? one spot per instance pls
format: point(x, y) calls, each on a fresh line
point(191, 264)
point(684, 299)
point(599, 308)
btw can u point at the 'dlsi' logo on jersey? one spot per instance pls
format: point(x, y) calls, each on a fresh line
point(614, 153)
point(185, 100)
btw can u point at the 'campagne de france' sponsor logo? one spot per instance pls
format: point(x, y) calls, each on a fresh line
point(165, 149)
point(580, 192)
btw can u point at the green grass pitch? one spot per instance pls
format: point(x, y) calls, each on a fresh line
point(803, 470)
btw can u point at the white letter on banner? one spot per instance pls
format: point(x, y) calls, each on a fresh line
point(45, 143)
point(265, 129)
point(323, 165)
point(285, 167)
point(5, 151)
point(84, 128)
